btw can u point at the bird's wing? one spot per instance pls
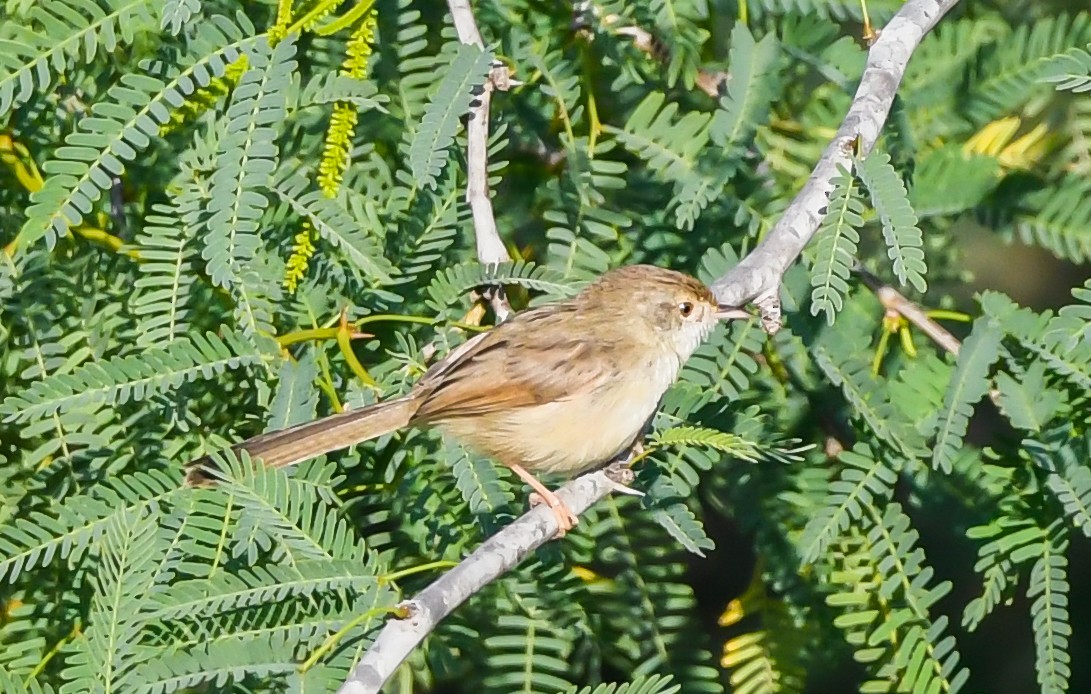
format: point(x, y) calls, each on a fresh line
point(534, 358)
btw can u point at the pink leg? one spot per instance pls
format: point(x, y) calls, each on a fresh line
point(566, 519)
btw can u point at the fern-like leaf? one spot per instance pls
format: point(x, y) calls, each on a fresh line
point(119, 128)
point(1059, 219)
point(748, 92)
point(245, 161)
point(1048, 589)
point(129, 551)
point(225, 593)
point(451, 284)
point(281, 515)
point(136, 377)
point(1070, 70)
point(904, 239)
point(60, 33)
point(428, 152)
point(361, 246)
point(177, 14)
point(835, 247)
point(1027, 401)
point(296, 399)
point(331, 88)
point(1060, 342)
point(1018, 61)
point(863, 481)
point(1073, 490)
point(652, 684)
point(671, 147)
point(163, 289)
point(969, 383)
point(70, 529)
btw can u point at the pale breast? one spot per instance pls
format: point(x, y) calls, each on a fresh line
point(572, 435)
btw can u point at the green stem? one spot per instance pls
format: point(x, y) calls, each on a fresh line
point(333, 640)
point(441, 564)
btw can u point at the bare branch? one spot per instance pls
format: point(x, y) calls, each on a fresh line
point(492, 559)
point(490, 248)
point(757, 278)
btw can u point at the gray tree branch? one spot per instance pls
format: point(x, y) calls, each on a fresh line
point(490, 247)
point(496, 556)
point(757, 278)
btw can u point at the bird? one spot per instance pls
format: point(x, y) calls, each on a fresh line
point(561, 388)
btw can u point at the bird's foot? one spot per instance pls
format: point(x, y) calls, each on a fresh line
point(566, 519)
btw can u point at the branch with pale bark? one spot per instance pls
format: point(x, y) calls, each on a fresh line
point(490, 247)
point(756, 279)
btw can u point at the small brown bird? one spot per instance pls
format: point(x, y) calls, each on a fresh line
point(561, 388)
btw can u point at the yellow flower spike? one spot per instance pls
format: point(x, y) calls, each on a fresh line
point(337, 147)
point(993, 137)
point(360, 47)
point(300, 259)
point(1027, 150)
point(279, 30)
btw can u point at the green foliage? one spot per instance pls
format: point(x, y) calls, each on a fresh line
point(969, 382)
point(116, 131)
point(433, 139)
point(1069, 70)
point(883, 589)
point(835, 247)
point(862, 483)
point(903, 237)
point(56, 36)
point(164, 166)
point(133, 378)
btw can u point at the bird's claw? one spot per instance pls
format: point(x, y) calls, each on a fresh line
point(566, 519)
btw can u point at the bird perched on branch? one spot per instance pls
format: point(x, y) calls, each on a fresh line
point(562, 388)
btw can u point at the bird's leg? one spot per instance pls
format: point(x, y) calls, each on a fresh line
point(566, 519)
point(620, 472)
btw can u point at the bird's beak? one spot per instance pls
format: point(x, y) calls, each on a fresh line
point(731, 313)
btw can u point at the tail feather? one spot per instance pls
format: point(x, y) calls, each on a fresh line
point(304, 441)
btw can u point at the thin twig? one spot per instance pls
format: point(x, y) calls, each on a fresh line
point(895, 301)
point(757, 278)
point(490, 248)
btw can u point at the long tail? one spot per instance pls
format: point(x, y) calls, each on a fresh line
point(303, 441)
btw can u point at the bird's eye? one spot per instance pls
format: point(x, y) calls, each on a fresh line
point(685, 308)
